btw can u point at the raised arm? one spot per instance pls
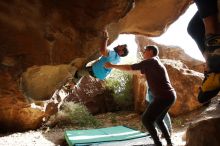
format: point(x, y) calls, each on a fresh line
point(103, 48)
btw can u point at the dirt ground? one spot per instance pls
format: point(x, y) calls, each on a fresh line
point(55, 136)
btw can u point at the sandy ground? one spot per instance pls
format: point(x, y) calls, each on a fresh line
point(55, 136)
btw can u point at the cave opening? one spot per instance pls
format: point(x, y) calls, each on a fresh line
point(175, 35)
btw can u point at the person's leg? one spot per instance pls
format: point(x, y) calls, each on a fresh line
point(208, 11)
point(167, 119)
point(168, 123)
point(148, 119)
point(163, 127)
point(80, 73)
point(196, 30)
point(149, 96)
point(166, 104)
point(155, 113)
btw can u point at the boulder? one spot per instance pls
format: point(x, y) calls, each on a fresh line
point(204, 132)
point(16, 112)
point(93, 94)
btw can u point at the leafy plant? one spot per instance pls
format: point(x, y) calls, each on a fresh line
point(178, 121)
point(76, 113)
point(113, 118)
point(121, 84)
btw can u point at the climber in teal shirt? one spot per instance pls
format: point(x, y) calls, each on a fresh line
point(97, 69)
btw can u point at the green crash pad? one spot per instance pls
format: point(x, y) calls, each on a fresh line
point(102, 135)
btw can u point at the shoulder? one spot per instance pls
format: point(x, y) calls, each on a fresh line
point(112, 53)
point(154, 59)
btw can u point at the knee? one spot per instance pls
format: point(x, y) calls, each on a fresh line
point(146, 120)
point(196, 26)
point(190, 30)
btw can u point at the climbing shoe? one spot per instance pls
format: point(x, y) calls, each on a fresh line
point(213, 41)
point(210, 87)
point(212, 53)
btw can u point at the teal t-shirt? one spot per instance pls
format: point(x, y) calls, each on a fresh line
point(98, 68)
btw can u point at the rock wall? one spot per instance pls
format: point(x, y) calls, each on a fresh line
point(52, 32)
point(204, 133)
point(172, 52)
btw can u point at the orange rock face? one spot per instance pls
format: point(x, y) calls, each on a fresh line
point(45, 32)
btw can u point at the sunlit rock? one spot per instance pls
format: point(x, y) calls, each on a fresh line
point(15, 110)
point(204, 133)
point(92, 93)
point(151, 18)
point(186, 82)
point(139, 90)
point(172, 52)
point(40, 82)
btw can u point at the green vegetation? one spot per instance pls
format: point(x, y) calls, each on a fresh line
point(177, 121)
point(113, 118)
point(121, 85)
point(75, 114)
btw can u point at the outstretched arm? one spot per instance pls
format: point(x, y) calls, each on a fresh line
point(120, 67)
point(103, 48)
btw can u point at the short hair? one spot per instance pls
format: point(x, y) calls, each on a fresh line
point(125, 50)
point(153, 48)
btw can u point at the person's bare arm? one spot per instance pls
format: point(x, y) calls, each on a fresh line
point(121, 67)
point(103, 48)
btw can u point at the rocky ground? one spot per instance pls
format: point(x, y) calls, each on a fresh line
point(55, 136)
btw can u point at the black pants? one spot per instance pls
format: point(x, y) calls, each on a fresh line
point(207, 7)
point(196, 30)
point(155, 112)
point(83, 72)
point(89, 69)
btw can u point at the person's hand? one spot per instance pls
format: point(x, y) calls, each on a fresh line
point(105, 34)
point(108, 65)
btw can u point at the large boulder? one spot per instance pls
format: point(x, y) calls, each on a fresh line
point(204, 133)
point(93, 94)
point(40, 82)
point(186, 82)
point(16, 112)
point(139, 90)
point(205, 130)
